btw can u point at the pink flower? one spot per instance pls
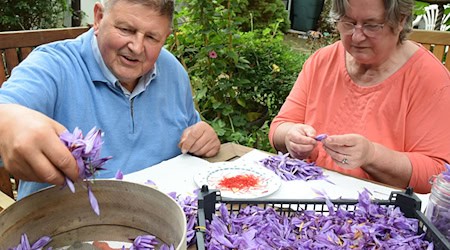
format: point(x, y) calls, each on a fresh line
point(212, 54)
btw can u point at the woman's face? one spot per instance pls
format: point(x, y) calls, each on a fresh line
point(378, 46)
point(130, 37)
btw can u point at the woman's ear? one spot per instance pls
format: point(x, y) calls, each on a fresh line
point(402, 23)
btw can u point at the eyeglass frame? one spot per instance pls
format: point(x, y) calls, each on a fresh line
point(363, 27)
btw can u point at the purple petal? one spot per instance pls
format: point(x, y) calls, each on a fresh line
point(321, 137)
point(292, 169)
point(24, 243)
point(70, 185)
point(150, 182)
point(41, 242)
point(93, 141)
point(93, 201)
point(145, 242)
point(119, 175)
point(446, 173)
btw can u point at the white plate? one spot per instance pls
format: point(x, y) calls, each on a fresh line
point(267, 181)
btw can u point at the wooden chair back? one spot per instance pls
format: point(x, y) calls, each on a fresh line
point(14, 47)
point(437, 42)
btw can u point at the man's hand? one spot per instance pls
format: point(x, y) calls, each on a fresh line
point(200, 139)
point(30, 146)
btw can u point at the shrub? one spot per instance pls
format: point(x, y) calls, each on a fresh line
point(260, 14)
point(239, 78)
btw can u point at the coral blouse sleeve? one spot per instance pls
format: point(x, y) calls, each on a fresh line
point(294, 108)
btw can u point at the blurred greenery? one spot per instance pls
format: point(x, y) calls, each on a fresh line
point(31, 14)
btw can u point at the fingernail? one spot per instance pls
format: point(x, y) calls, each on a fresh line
point(184, 151)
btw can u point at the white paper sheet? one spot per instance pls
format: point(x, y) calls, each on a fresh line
point(177, 175)
point(174, 175)
point(342, 186)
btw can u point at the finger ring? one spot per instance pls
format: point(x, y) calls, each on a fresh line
point(344, 161)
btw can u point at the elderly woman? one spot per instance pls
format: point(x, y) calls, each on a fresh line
point(383, 100)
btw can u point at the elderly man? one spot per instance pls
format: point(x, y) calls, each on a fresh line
point(116, 77)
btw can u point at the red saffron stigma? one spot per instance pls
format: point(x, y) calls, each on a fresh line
point(239, 182)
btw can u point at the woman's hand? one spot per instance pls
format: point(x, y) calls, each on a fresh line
point(299, 140)
point(349, 150)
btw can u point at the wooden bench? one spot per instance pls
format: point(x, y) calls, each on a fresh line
point(437, 42)
point(14, 47)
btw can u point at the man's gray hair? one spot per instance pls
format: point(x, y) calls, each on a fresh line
point(163, 7)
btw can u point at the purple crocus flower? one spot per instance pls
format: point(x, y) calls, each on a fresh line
point(86, 151)
point(144, 242)
point(321, 137)
point(446, 173)
point(119, 175)
point(368, 226)
point(25, 244)
point(189, 204)
point(292, 169)
point(150, 182)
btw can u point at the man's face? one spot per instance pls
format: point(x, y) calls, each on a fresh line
point(130, 37)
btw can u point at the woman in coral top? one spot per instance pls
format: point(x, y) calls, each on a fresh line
point(383, 100)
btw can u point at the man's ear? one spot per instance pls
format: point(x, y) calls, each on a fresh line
point(98, 14)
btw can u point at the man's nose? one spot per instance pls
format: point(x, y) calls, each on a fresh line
point(136, 45)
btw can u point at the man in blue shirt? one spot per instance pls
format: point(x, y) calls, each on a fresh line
point(116, 77)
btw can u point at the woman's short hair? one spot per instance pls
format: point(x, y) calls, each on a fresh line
point(395, 12)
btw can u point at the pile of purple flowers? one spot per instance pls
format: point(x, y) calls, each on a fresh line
point(86, 151)
point(142, 242)
point(189, 204)
point(292, 169)
point(38, 245)
point(446, 173)
point(147, 242)
point(370, 226)
point(439, 213)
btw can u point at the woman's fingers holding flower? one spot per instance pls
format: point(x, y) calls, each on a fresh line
point(348, 150)
point(300, 140)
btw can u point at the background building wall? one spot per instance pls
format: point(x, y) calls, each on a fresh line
point(87, 6)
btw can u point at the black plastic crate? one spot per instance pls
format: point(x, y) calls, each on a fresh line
point(407, 201)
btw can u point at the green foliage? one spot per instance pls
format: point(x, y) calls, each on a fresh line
point(419, 8)
point(31, 14)
point(239, 78)
point(260, 14)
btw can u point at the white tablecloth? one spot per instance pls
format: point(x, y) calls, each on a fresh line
point(177, 175)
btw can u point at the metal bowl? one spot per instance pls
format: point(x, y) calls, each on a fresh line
point(127, 210)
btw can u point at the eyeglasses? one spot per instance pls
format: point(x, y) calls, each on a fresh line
point(370, 30)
